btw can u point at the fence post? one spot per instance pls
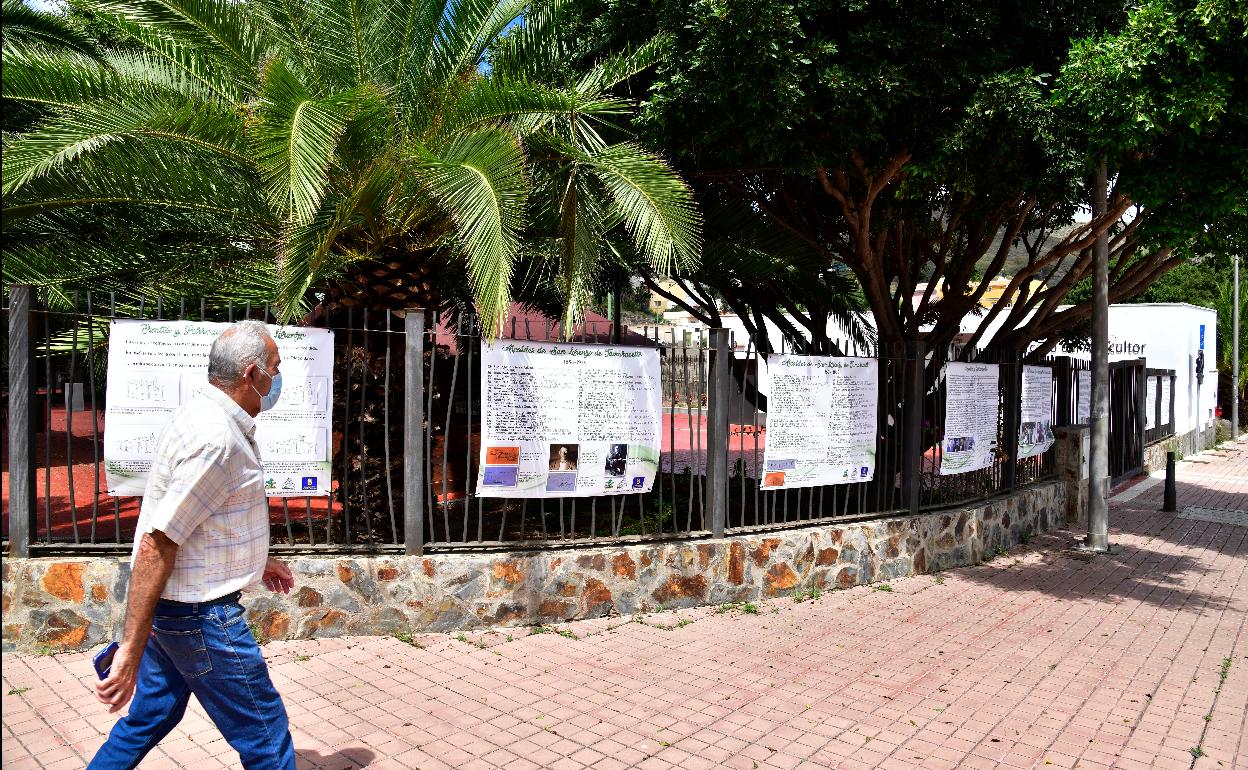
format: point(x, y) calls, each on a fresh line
point(1141, 396)
point(913, 391)
point(1156, 405)
point(413, 433)
point(1012, 408)
point(21, 428)
point(1062, 369)
point(1174, 378)
point(717, 431)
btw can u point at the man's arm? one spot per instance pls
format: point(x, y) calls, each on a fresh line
point(152, 566)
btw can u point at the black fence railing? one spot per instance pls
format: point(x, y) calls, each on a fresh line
point(1127, 389)
point(1159, 405)
point(455, 516)
point(406, 432)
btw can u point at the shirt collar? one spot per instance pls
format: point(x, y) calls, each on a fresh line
point(246, 423)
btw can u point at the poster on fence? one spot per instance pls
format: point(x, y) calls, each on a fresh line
point(562, 420)
point(1083, 408)
point(821, 421)
point(1035, 427)
point(154, 367)
point(972, 412)
point(1150, 403)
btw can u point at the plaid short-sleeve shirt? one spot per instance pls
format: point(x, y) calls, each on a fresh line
point(205, 491)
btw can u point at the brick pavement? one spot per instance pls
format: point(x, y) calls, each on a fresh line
point(1039, 658)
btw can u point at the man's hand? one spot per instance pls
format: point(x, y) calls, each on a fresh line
point(117, 690)
point(152, 565)
point(278, 577)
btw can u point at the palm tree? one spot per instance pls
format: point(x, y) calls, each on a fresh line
point(391, 153)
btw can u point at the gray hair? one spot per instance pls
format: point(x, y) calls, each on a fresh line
point(240, 345)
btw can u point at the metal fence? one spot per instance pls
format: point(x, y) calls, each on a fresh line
point(1160, 385)
point(406, 429)
point(453, 515)
point(1126, 418)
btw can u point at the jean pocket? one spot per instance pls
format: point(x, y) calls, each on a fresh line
point(184, 647)
point(228, 614)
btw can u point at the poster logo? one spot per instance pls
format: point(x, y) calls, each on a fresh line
point(309, 483)
point(639, 482)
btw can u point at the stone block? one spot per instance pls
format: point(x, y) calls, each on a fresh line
point(386, 621)
point(681, 590)
point(762, 552)
point(555, 611)
point(597, 598)
point(61, 629)
point(736, 563)
point(327, 623)
point(274, 624)
point(780, 577)
point(624, 566)
point(307, 596)
point(64, 581)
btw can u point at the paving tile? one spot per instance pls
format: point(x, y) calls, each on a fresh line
point(1064, 660)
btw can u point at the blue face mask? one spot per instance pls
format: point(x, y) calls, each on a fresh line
point(268, 401)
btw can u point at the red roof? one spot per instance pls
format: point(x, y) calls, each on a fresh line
point(525, 323)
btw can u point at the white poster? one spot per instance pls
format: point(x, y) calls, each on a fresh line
point(1084, 408)
point(154, 367)
point(568, 420)
point(1166, 417)
point(972, 412)
point(1035, 427)
point(821, 421)
point(1150, 403)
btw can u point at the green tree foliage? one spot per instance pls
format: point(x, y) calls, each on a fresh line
point(268, 148)
point(919, 143)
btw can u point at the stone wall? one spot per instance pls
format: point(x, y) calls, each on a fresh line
point(1189, 443)
point(54, 603)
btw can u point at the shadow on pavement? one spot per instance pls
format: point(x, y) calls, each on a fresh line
point(1134, 572)
point(343, 759)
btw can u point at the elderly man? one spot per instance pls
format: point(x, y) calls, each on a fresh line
point(203, 536)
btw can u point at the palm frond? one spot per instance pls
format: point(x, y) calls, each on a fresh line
point(222, 27)
point(656, 205)
point(222, 76)
point(478, 180)
point(617, 68)
point(160, 177)
point(498, 99)
point(533, 49)
point(581, 230)
point(131, 267)
point(311, 254)
point(295, 139)
point(466, 31)
point(145, 121)
point(30, 31)
point(55, 80)
point(408, 34)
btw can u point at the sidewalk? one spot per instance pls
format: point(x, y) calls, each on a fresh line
point(1041, 658)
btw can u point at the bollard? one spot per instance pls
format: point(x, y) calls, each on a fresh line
point(1170, 504)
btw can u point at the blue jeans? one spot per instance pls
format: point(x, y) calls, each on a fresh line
point(210, 652)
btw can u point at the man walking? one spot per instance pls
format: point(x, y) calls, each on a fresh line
point(203, 536)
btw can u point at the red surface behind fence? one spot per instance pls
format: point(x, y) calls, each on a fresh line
point(54, 478)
